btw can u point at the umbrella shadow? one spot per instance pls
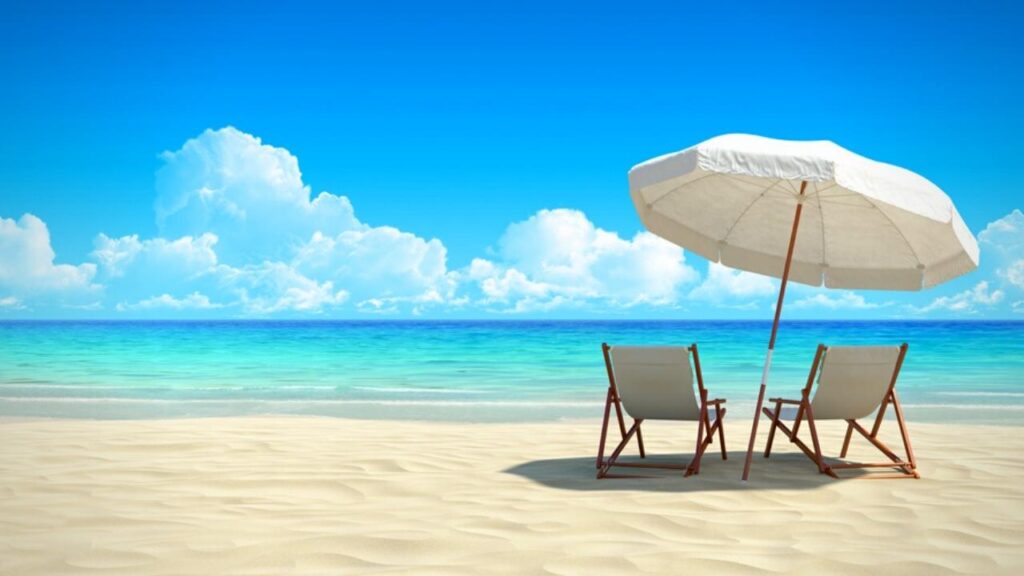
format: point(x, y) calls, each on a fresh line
point(785, 471)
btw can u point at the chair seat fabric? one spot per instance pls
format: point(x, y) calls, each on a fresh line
point(655, 382)
point(853, 381)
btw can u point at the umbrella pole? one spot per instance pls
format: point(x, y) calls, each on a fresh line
point(775, 329)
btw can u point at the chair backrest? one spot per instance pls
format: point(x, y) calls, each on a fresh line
point(853, 380)
point(655, 382)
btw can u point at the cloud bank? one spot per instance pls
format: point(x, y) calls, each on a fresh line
point(559, 258)
point(28, 272)
point(241, 234)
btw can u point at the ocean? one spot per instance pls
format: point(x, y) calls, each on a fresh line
point(466, 370)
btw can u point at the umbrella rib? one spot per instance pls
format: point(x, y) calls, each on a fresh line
point(678, 188)
point(818, 191)
point(747, 209)
point(898, 231)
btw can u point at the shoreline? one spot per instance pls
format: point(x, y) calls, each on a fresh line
point(424, 411)
point(558, 420)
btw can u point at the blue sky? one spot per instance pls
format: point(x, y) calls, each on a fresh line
point(451, 128)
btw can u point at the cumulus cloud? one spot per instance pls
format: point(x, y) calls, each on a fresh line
point(1014, 273)
point(241, 230)
point(1003, 239)
point(279, 248)
point(159, 274)
point(1005, 234)
point(273, 287)
point(382, 261)
point(137, 274)
point(559, 258)
point(249, 193)
point(726, 285)
point(185, 257)
point(501, 284)
point(967, 301)
point(194, 301)
point(27, 267)
point(841, 300)
point(241, 233)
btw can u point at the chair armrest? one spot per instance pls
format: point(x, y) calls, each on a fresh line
point(717, 401)
point(784, 401)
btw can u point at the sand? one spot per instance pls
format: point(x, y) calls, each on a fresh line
point(298, 495)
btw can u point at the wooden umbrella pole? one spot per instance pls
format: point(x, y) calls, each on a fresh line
point(775, 329)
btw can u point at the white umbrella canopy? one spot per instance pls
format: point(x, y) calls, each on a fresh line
point(812, 212)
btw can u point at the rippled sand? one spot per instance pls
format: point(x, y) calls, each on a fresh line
point(303, 495)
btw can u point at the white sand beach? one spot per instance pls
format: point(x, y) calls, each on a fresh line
point(304, 495)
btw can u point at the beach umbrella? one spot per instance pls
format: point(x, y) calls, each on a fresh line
point(804, 211)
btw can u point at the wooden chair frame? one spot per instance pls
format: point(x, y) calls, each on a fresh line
point(907, 467)
point(705, 429)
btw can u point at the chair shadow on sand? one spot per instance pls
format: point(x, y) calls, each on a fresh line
point(783, 471)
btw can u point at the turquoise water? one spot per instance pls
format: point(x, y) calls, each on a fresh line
point(477, 371)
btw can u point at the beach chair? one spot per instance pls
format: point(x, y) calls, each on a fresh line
point(656, 383)
point(853, 382)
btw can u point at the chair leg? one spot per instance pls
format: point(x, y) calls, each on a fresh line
point(881, 414)
point(799, 444)
point(846, 441)
point(799, 418)
point(905, 466)
point(814, 439)
point(719, 416)
point(771, 431)
point(604, 429)
point(903, 431)
point(603, 471)
point(640, 440)
point(705, 441)
point(694, 467)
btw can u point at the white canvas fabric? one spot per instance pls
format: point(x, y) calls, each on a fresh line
point(853, 381)
point(865, 224)
point(655, 382)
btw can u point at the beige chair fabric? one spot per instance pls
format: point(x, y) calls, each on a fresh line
point(655, 382)
point(853, 381)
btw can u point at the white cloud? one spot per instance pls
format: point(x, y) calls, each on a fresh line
point(93, 306)
point(558, 258)
point(27, 268)
point(1014, 273)
point(185, 257)
point(243, 234)
point(724, 284)
point(966, 301)
point(249, 197)
point(143, 271)
point(250, 194)
point(1002, 270)
point(136, 269)
point(273, 287)
point(1004, 240)
point(1018, 307)
point(194, 301)
point(841, 300)
point(1005, 234)
point(499, 284)
point(392, 304)
point(382, 261)
point(11, 303)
